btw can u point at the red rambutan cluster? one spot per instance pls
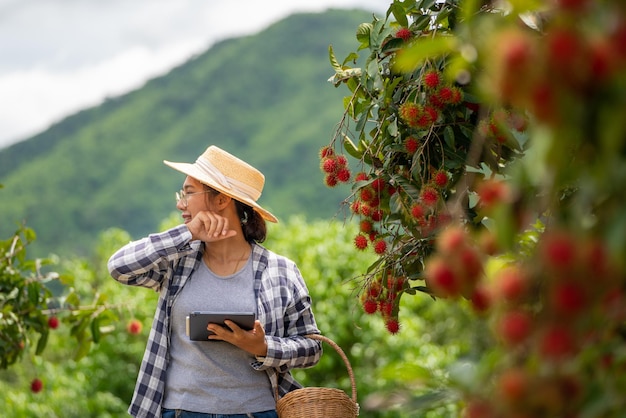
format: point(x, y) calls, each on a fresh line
point(334, 166)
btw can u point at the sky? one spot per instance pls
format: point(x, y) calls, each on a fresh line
point(60, 56)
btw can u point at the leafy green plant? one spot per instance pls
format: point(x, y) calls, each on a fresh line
point(490, 147)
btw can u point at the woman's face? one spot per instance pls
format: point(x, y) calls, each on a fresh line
point(197, 198)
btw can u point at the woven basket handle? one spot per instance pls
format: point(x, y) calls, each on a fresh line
point(343, 357)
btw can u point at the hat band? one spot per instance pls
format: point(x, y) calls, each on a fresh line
point(226, 182)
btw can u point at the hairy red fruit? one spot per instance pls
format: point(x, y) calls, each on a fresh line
point(379, 185)
point(366, 226)
point(556, 343)
point(511, 284)
point(360, 242)
point(418, 211)
point(53, 322)
point(568, 298)
point(355, 207)
point(514, 327)
point(331, 180)
point(404, 34)
point(513, 384)
point(471, 263)
point(366, 194)
point(558, 250)
point(451, 239)
point(441, 278)
point(134, 326)
point(431, 79)
point(572, 5)
point(478, 408)
point(377, 215)
point(481, 300)
point(370, 306)
point(380, 247)
point(361, 176)
point(386, 308)
point(326, 151)
point(393, 326)
point(411, 145)
point(36, 385)
point(429, 195)
point(491, 192)
point(343, 175)
point(329, 165)
point(441, 178)
point(374, 290)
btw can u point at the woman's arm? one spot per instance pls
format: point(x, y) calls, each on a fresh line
point(148, 261)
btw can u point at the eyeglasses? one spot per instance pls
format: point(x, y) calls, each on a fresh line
point(181, 196)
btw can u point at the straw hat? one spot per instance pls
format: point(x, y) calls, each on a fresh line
point(229, 175)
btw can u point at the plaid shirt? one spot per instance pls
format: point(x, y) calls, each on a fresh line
point(165, 261)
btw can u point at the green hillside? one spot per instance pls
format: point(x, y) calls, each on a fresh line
point(263, 97)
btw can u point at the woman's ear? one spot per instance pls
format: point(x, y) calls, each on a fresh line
point(223, 200)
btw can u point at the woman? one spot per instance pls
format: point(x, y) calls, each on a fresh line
point(213, 262)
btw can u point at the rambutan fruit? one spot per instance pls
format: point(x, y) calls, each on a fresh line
point(329, 165)
point(361, 176)
point(451, 239)
point(343, 175)
point(360, 242)
point(409, 112)
point(326, 152)
point(558, 249)
point(392, 325)
point(404, 33)
point(556, 343)
point(378, 185)
point(514, 327)
point(370, 306)
point(411, 145)
point(441, 278)
point(429, 195)
point(513, 384)
point(511, 284)
point(440, 178)
point(331, 180)
point(568, 298)
point(481, 300)
point(431, 79)
point(380, 246)
point(377, 215)
point(418, 211)
point(366, 194)
point(366, 226)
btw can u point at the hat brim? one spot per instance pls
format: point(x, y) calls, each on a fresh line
point(193, 171)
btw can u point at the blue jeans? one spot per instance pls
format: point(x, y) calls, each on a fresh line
point(171, 413)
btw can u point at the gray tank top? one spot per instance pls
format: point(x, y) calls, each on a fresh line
point(214, 376)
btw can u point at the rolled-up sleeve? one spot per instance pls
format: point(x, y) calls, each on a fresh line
point(146, 262)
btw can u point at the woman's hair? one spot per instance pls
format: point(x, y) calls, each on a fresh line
point(252, 223)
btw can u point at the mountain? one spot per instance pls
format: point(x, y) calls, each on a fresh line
point(263, 97)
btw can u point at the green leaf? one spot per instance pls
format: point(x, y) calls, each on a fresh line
point(414, 56)
point(83, 349)
point(95, 330)
point(448, 136)
point(399, 14)
point(363, 33)
point(333, 59)
point(350, 148)
point(43, 340)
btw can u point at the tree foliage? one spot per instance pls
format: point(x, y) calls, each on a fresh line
point(491, 147)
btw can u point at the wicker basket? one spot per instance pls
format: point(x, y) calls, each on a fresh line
point(317, 402)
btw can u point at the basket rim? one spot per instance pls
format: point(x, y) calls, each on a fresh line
point(343, 356)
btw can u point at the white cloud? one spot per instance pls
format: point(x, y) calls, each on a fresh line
point(60, 56)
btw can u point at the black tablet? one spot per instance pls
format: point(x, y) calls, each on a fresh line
point(198, 321)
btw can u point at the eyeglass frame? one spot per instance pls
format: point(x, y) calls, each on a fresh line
point(181, 195)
